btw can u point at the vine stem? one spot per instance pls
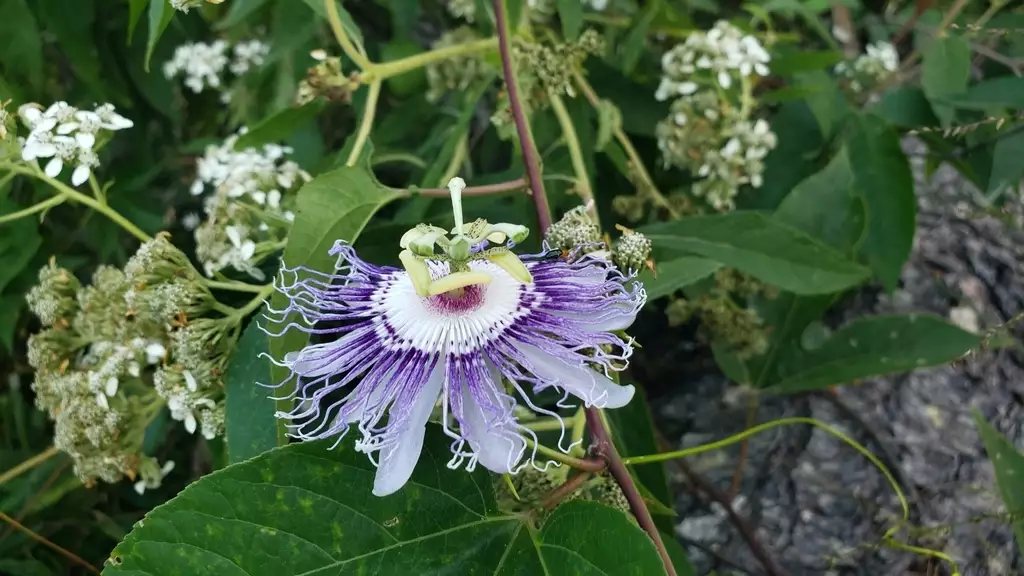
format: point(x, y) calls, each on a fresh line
point(530, 158)
point(388, 69)
point(605, 448)
point(234, 286)
point(65, 553)
point(89, 201)
point(44, 205)
point(334, 19)
point(572, 142)
point(28, 464)
point(369, 112)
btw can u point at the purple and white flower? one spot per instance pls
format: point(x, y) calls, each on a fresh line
point(397, 352)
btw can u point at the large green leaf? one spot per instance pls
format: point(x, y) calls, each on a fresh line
point(239, 11)
point(346, 19)
point(279, 126)
point(876, 346)
point(135, 9)
point(636, 40)
point(906, 107)
point(71, 22)
point(945, 71)
point(763, 247)
point(787, 316)
point(333, 206)
point(249, 420)
point(160, 15)
point(19, 241)
point(570, 12)
point(883, 179)
point(305, 509)
point(826, 206)
point(999, 92)
point(795, 158)
point(1009, 466)
point(675, 273)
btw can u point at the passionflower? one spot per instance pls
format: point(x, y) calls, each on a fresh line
point(469, 328)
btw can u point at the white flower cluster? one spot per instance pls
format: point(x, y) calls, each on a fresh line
point(112, 354)
point(67, 135)
point(247, 213)
point(185, 5)
point(880, 60)
point(724, 52)
point(203, 65)
point(709, 130)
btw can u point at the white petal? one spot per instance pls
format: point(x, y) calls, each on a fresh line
point(46, 124)
point(67, 127)
point(54, 166)
point(593, 388)
point(190, 381)
point(80, 175)
point(247, 249)
point(724, 79)
point(190, 423)
point(155, 353)
point(101, 400)
point(140, 487)
point(398, 460)
point(166, 468)
point(234, 235)
point(31, 114)
point(111, 386)
point(86, 140)
point(498, 447)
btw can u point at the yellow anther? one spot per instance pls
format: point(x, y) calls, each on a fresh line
point(457, 281)
point(418, 272)
point(511, 263)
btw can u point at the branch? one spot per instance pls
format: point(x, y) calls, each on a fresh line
point(530, 158)
point(500, 187)
point(605, 448)
point(571, 485)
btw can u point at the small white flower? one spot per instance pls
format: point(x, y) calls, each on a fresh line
point(155, 353)
point(110, 388)
point(190, 423)
point(190, 381)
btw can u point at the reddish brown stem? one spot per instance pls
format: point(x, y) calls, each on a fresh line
point(562, 492)
point(605, 448)
point(530, 159)
point(65, 553)
point(498, 188)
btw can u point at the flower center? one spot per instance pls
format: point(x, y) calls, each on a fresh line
point(457, 301)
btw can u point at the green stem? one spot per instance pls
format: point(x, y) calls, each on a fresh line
point(627, 146)
point(395, 157)
point(390, 69)
point(89, 201)
point(253, 304)
point(578, 463)
point(369, 112)
point(572, 142)
point(546, 425)
point(96, 190)
point(44, 205)
point(235, 286)
point(633, 461)
point(458, 159)
point(28, 464)
point(334, 19)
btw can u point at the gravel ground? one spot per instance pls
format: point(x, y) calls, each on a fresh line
point(816, 505)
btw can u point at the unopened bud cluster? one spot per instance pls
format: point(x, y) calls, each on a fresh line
point(249, 197)
point(879, 61)
point(325, 80)
point(632, 251)
point(186, 5)
point(203, 65)
point(722, 318)
point(709, 130)
point(545, 69)
point(457, 73)
point(105, 348)
point(574, 231)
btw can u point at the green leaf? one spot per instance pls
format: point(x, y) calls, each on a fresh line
point(333, 206)
point(636, 39)
point(238, 12)
point(999, 92)
point(906, 107)
point(570, 12)
point(883, 179)
point(640, 111)
point(763, 247)
point(10, 312)
point(160, 15)
point(135, 8)
point(799, 60)
point(20, 42)
point(826, 206)
point(1009, 467)
point(876, 346)
point(279, 126)
point(675, 273)
point(71, 23)
point(24, 568)
point(249, 421)
point(795, 158)
point(826, 100)
point(305, 509)
point(945, 71)
point(1007, 167)
point(346, 19)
